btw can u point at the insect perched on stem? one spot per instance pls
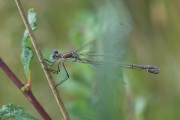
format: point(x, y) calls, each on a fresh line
point(96, 48)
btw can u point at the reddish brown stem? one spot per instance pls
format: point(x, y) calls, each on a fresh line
point(28, 93)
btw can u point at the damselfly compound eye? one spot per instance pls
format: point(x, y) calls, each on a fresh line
point(55, 51)
point(53, 57)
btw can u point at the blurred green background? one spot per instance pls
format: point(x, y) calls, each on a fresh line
point(67, 25)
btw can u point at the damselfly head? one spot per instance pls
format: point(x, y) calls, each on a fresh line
point(54, 55)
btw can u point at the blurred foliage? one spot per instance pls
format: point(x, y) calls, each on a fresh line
point(67, 25)
point(101, 102)
point(14, 112)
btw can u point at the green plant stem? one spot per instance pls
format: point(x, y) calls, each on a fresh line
point(39, 54)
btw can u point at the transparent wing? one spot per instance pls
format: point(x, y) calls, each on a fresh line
point(109, 38)
point(109, 71)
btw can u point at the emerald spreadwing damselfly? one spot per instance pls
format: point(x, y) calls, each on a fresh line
point(98, 48)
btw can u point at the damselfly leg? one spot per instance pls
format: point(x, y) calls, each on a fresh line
point(49, 63)
point(57, 71)
point(67, 77)
point(54, 71)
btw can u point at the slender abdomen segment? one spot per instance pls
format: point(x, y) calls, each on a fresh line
point(148, 68)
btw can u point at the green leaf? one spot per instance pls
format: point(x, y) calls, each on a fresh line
point(27, 52)
point(26, 57)
point(32, 17)
point(14, 112)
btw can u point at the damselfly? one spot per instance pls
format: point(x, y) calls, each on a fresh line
point(96, 48)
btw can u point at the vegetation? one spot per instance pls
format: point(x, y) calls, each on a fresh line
point(88, 95)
